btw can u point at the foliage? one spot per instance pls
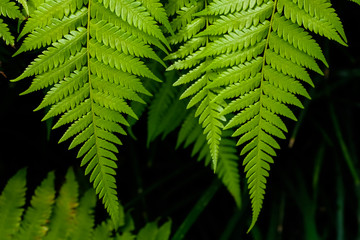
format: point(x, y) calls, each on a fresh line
point(237, 69)
point(62, 215)
point(10, 10)
point(248, 58)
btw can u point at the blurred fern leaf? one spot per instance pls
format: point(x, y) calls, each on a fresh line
point(12, 200)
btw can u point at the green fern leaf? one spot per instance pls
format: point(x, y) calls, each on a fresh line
point(254, 59)
point(39, 212)
point(227, 168)
point(166, 111)
point(47, 11)
point(10, 10)
point(103, 231)
point(355, 1)
point(201, 95)
point(132, 12)
point(158, 12)
point(327, 25)
point(239, 20)
point(12, 200)
point(5, 33)
point(42, 37)
point(153, 232)
point(84, 219)
point(93, 69)
point(218, 7)
point(62, 220)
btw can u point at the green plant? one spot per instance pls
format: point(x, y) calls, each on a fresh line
point(10, 10)
point(62, 216)
point(241, 63)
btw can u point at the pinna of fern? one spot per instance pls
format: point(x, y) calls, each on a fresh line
point(254, 57)
point(93, 64)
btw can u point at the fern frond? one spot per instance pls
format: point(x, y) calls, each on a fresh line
point(166, 111)
point(48, 11)
point(84, 219)
point(137, 15)
point(152, 231)
point(175, 5)
point(62, 220)
point(103, 13)
point(56, 56)
point(94, 69)
point(5, 33)
point(42, 37)
point(201, 95)
point(325, 25)
point(356, 1)
point(36, 217)
point(12, 200)
point(323, 10)
point(218, 7)
point(239, 20)
point(227, 168)
point(157, 11)
point(254, 59)
point(8, 9)
point(103, 231)
point(120, 40)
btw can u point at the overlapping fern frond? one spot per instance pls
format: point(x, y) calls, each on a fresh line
point(227, 168)
point(201, 76)
point(250, 59)
point(62, 215)
point(93, 65)
point(12, 199)
point(243, 64)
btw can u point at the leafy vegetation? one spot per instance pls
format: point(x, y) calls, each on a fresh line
point(62, 215)
point(233, 69)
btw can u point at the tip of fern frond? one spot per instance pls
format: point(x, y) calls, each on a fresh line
point(170, 68)
point(37, 109)
point(344, 42)
point(214, 166)
point(29, 90)
point(250, 228)
point(21, 35)
point(16, 79)
point(253, 222)
point(131, 133)
point(20, 50)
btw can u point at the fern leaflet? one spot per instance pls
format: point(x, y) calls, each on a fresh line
point(12, 200)
point(38, 214)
